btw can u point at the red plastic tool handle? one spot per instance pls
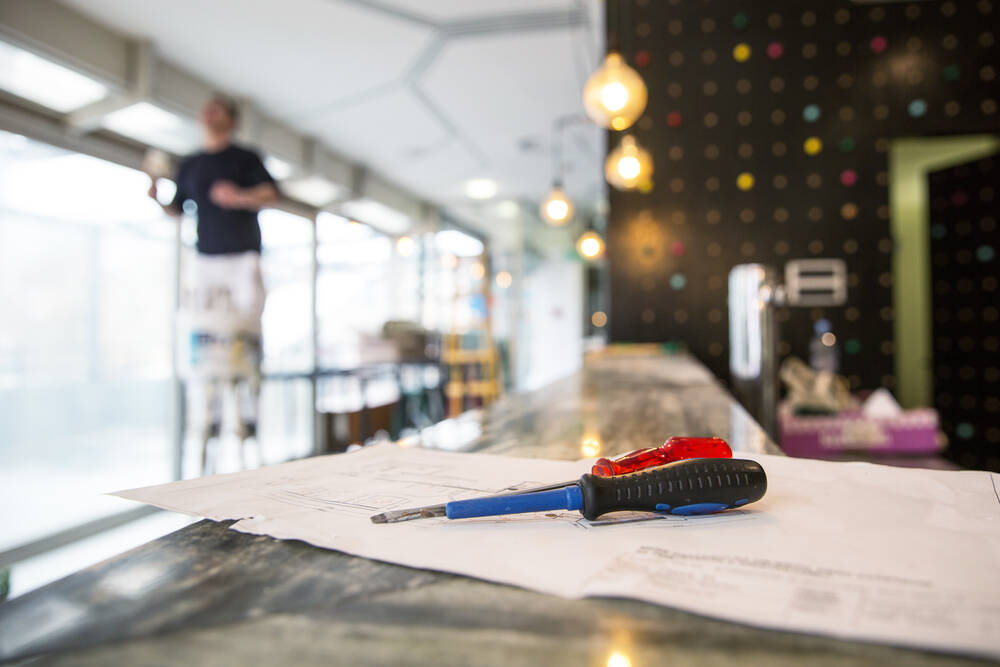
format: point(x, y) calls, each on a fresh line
point(674, 449)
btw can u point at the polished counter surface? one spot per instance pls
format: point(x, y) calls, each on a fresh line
point(206, 595)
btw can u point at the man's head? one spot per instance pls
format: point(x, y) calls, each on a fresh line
point(219, 115)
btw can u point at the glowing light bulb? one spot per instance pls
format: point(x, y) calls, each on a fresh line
point(619, 660)
point(614, 95)
point(599, 319)
point(504, 280)
point(590, 245)
point(556, 208)
point(629, 166)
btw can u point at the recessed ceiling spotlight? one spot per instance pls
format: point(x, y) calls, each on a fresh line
point(481, 188)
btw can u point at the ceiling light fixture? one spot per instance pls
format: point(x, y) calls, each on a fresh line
point(557, 209)
point(278, 168)
point(154, 125)
point(313, 190)
point(481, 188)
point(458, 243)
point(629, 166)
point(590, 245)
point(378, 215)
point(615, 94)
point(46, 82)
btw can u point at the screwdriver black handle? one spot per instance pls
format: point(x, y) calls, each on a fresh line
point(694, 486)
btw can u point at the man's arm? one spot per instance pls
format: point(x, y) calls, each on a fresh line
point(229, 195)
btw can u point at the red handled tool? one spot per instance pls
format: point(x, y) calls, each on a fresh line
point(674, 449)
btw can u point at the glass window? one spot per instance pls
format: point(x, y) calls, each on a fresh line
point(354, 292)
point(286, 415)
point(454, 278)
point(287, 267)
point(87, 276)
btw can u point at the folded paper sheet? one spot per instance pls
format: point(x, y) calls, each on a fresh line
point(852, 550)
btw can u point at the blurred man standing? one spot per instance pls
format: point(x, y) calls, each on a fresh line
point(223, 298)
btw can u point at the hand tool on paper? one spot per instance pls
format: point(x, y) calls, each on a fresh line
point(693, 486)
point(674, 449)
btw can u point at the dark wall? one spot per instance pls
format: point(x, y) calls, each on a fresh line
point(853, 76)
point(966, 296)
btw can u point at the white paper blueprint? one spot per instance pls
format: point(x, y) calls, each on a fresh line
point(852, 550)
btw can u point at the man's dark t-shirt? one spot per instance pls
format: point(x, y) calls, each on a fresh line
point(222, 230)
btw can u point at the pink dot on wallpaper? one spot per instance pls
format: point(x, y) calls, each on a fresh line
point(677, 248)
point(774, 50)
point(848, 177)
point(878, 44)
point(674, 119)
point(959, 198)
point(642, 58)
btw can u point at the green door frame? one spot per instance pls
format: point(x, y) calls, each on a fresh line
point(910, 160)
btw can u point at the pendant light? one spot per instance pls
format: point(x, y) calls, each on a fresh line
point(629, 166)
point(556, 208)
point(590, 245)
point(615, 94)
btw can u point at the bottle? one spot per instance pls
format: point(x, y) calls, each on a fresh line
point(824, 354)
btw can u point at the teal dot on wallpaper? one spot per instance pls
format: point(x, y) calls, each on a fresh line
point(938, 231)
point(811, 113)
point(985, 253)
point(950, 73)
point(740, 21)
point(847, 144)
point(965, 430)
point(678, 281)
point(917, 108)
point(852, 346)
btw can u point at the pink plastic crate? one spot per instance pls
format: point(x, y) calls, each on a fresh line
point(913, 432)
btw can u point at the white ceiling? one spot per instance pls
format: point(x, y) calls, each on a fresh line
point(428, 93)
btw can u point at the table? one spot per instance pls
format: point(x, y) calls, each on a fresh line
point(206, 595)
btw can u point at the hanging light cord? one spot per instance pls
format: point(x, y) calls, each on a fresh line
point(614, 25)
point(559, 126)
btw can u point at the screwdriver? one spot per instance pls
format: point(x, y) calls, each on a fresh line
point(674, 449)
point(693, 486)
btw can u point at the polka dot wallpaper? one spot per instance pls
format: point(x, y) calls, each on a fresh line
point(770, 125)
point(966, 309)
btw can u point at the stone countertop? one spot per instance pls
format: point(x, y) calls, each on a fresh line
point(206, 595)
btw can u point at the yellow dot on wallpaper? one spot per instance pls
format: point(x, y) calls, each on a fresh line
point(744, 181)
point(812, 145)
point(741, 52)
